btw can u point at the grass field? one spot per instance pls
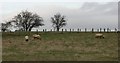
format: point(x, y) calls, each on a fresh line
point(60, 47)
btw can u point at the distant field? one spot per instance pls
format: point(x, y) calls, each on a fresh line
point(60, 47)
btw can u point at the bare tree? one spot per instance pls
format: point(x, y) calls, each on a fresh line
point(5, 26)
point(58, 21)
point(27, 20)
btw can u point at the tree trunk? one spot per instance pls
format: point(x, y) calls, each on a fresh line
point(58, 29)
point(30, 29)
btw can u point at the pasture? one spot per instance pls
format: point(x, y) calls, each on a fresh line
point(59, 47)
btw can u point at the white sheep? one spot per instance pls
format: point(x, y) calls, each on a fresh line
point(99, 35)
point(26, 38)
point(37, 36)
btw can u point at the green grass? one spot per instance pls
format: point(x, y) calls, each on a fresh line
point(60, 47)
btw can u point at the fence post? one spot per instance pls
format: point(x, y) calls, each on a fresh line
point(70, 30)
point(100, 29)
point(104, 29)
point(62, 30)
point(37, 31)
point(92, 29)
point(115, 30)
point(107, 29)
point(43, 30)
point(85, 29)
point(78, 29)
point(51, 30)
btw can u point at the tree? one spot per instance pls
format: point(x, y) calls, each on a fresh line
point(5, 26)
point(27, 20)
point(58, 21)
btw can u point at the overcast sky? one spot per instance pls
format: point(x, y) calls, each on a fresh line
point(82, 14)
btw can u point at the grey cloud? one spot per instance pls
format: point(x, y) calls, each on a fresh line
point(89, 15)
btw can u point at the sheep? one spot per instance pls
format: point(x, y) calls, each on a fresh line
point(99, 35)
point(37, 36)
point(26, 38)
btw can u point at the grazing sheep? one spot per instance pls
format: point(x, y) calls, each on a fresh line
point(99, 35)
point(37, 36)
point(26, 38)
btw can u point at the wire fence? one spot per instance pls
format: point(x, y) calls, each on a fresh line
point(81, 30)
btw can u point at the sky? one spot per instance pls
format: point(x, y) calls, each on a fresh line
point(79, 13)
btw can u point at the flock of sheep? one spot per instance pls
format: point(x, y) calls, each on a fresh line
point(37, 36)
